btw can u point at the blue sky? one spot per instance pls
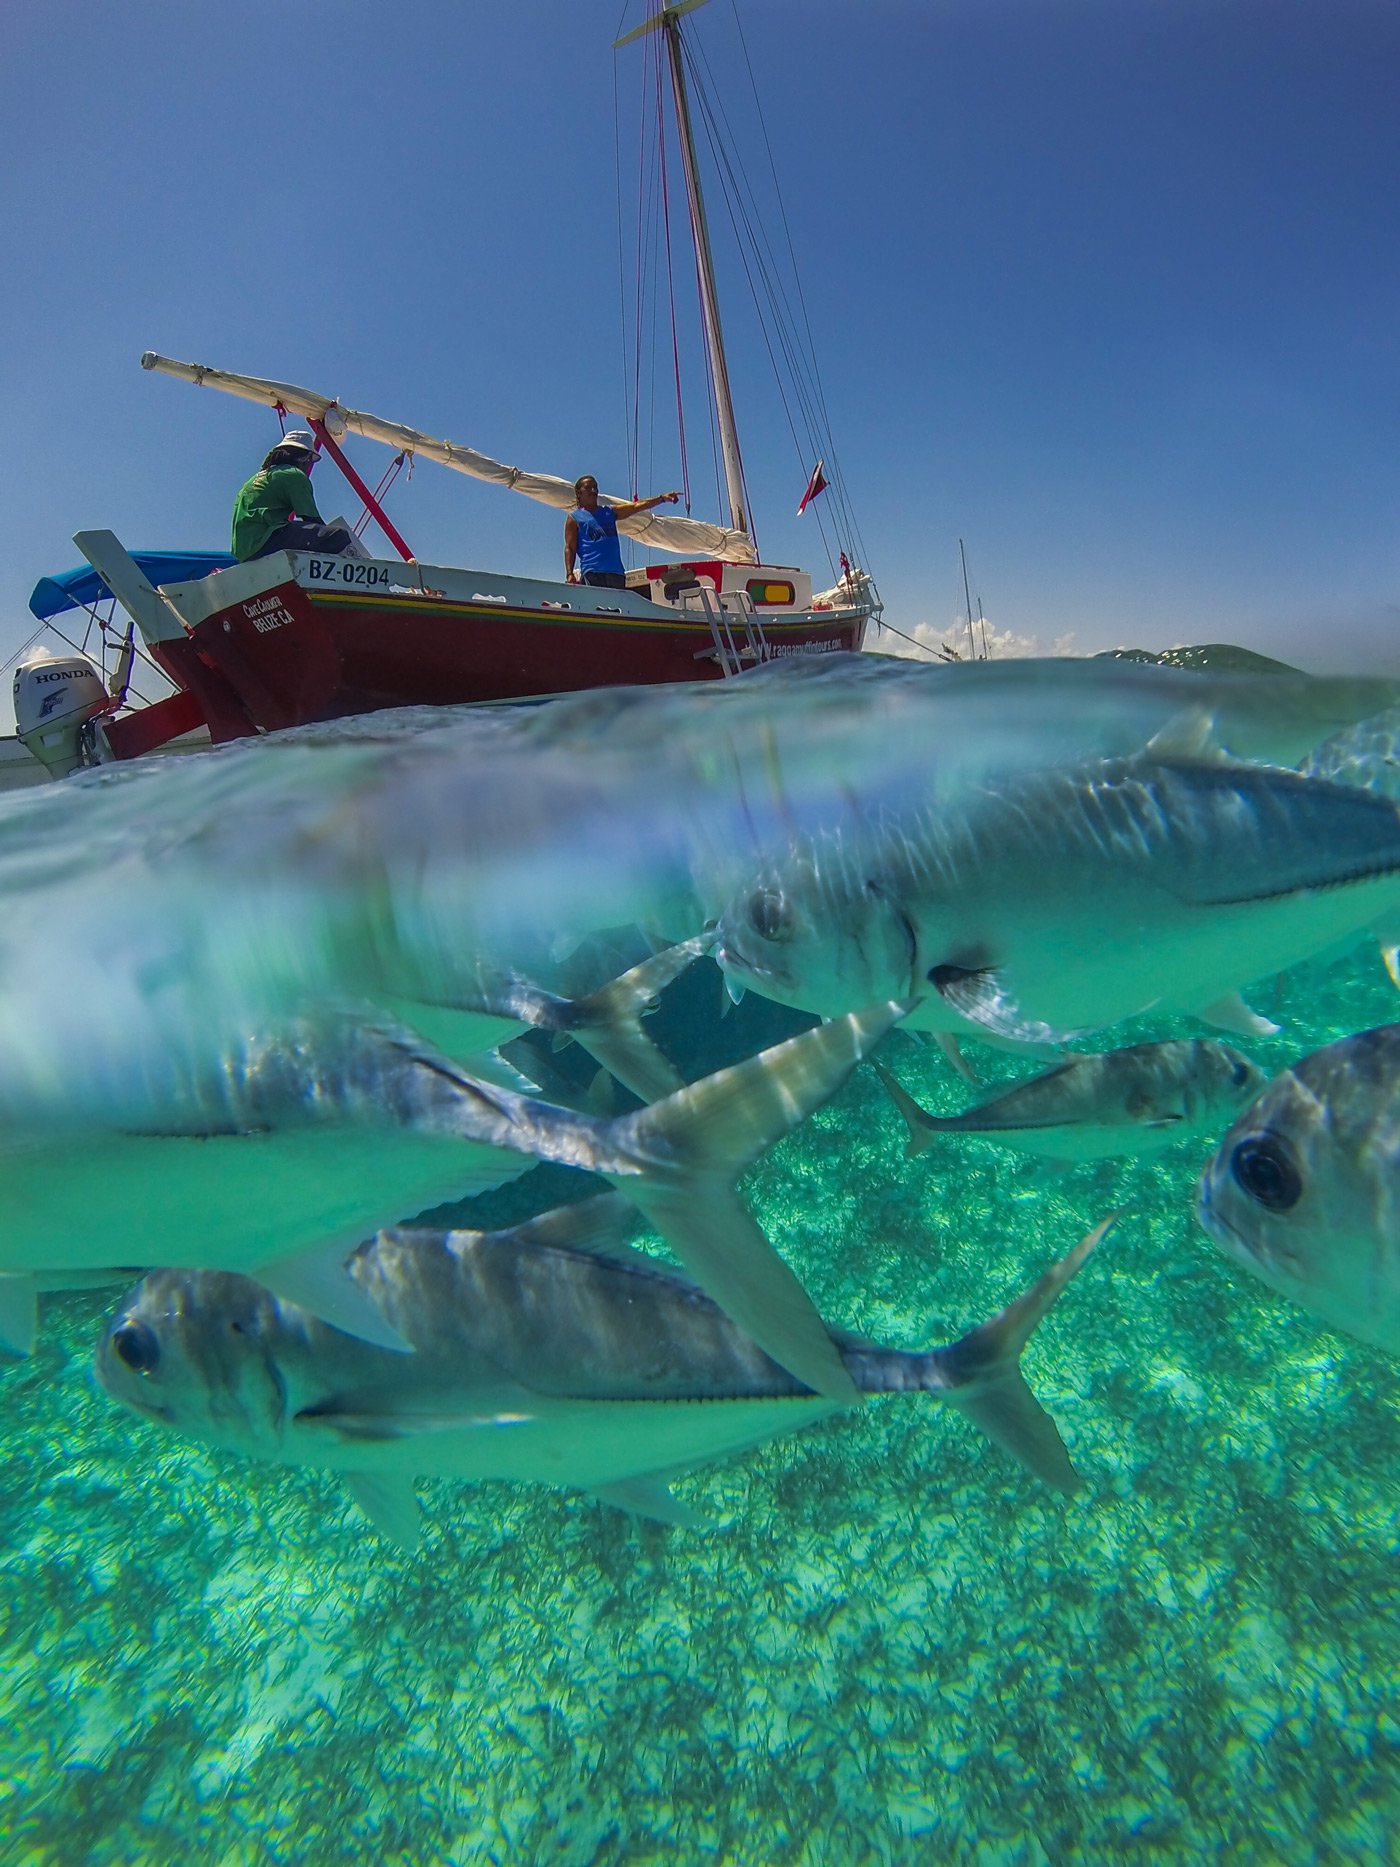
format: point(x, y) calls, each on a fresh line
point(1109, 290)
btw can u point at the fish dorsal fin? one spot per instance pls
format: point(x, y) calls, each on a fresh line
point(319, 1282)
point(650, 1497)
point(388, 1500)
point(458, 1032)
point(19, 1311)
point(1230, 1013)
point(600, 1228)
point(982, 997)
point(1190, 736)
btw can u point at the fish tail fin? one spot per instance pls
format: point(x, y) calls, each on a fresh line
point(983, 1374)
point(679, 1159)
point(916, 1118)
point(608, 1022)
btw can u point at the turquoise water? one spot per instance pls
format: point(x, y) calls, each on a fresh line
point(892, 1646)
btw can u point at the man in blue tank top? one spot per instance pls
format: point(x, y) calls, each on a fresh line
point(590, 535)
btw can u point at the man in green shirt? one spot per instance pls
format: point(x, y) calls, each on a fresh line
point(276, 509)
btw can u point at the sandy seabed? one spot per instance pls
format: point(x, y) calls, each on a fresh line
point(893, 1646)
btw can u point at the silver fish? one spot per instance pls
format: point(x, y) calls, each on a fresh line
point(1052, 905)
point(414, 856)
point(551, 1353)
point(314, 1142)
point(1138, 1100)
point(1304, 1189)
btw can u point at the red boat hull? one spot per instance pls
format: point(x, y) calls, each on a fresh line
point(292, 655)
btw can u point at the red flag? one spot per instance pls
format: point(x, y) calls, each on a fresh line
point(817, 484)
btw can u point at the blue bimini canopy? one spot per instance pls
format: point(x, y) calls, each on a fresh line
point(83, 587)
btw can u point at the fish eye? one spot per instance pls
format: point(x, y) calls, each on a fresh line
point(1264, 1169)
point(768, 915)
point(137, 1346)
point(1239, 1071)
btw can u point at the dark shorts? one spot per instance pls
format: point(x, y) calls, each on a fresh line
point(307, 535)
point(605, 579)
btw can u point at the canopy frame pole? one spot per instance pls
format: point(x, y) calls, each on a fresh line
point(372, 505)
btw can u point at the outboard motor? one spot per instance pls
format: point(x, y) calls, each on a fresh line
point(55, 697)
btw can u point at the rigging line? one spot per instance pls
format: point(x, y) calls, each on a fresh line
point(49, 627)
point(675, 343)
point(621, 264)
point(738, 196)
point(644, 189)
point(711, 389)
point(386, 480)
point(719, 160)
point(803, 366)
point(913, 642)
point(745, 249)
point(802, 362)
point(782, 212)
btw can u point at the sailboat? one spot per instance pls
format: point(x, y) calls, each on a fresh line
point(298, 637)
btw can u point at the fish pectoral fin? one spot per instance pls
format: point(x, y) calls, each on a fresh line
point(388, 1500)
point(318, 1281)
point(19, 1311)
point(952, 1050)
point(679, 1159)
point(650, 1497)
point(1230, 1013)
point(982, 997)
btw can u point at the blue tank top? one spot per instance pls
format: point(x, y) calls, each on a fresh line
point(598, 548)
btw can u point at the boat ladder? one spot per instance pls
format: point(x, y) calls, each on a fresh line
point(726, 651)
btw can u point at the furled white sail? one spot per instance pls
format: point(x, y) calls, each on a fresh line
point(690, 538)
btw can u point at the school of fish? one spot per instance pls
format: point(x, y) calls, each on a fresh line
point(263, 1007)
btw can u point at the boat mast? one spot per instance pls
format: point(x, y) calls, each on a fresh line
point(967, 596)
point(668, 20)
